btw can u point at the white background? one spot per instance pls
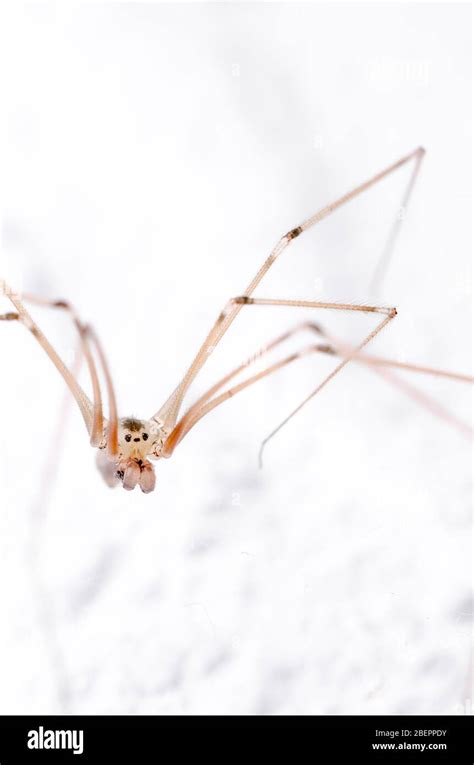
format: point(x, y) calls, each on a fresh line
point(152, 156)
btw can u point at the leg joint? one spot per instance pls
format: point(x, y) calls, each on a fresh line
point(294, 233)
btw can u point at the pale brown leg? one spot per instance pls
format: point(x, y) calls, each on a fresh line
point(112, 425)
point(84, 403)
point(193, 415)
point(385, 259)
point(168, 414)
point(379, 366)
point(86, 333)
point(379, 361)
point(97, 429)
point(184, 424)
point(305, 325)
point(203, 406)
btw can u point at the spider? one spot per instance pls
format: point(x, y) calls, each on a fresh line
point(126, 445)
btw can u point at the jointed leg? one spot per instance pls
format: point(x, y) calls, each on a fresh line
point(194, 414)
point(185, 423)
point(206, 403)
point(168, 414)
point(305, 325)
point(22, 315)
point(97, 427)
point(379, 366)
point(87, 334)
point(379, 361)
point(92, 413)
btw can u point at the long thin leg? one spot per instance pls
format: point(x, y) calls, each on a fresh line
point(87, 334)
point(84, 403)
point(380, 361)
point(389, 313)
point(203, 406)
point(332, 348)
point(97, 429)
point(385, 259)
point(193, 415)
point(305, 325)
point(95, 421)
point(379, 366)
point(348, 354)
point(168, 414)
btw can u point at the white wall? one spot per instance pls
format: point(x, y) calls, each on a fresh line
point(152, 156)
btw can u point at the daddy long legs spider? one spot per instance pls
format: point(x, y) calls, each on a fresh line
point(126, 445)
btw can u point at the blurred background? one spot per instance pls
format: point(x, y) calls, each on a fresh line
point(153, 154)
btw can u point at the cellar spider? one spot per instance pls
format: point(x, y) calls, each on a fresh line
point(126, 445)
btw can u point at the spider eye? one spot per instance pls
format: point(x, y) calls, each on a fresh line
point(128, 437)
point(145, 436)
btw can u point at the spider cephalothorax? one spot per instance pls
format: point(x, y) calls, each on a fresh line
point(138, 440)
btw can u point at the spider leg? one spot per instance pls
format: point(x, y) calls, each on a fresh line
point(88, 335)
point(92, 413)
point(196, 413)
point(304, 325)
point(380, 365)
point(177, 433)
point(167, 415)
point(206, 403)
point(385, 258)
point(22, 315)
point(97, 428)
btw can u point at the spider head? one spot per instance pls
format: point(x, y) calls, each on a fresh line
point(137, 438)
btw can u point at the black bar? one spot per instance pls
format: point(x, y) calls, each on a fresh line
point(108, 739)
